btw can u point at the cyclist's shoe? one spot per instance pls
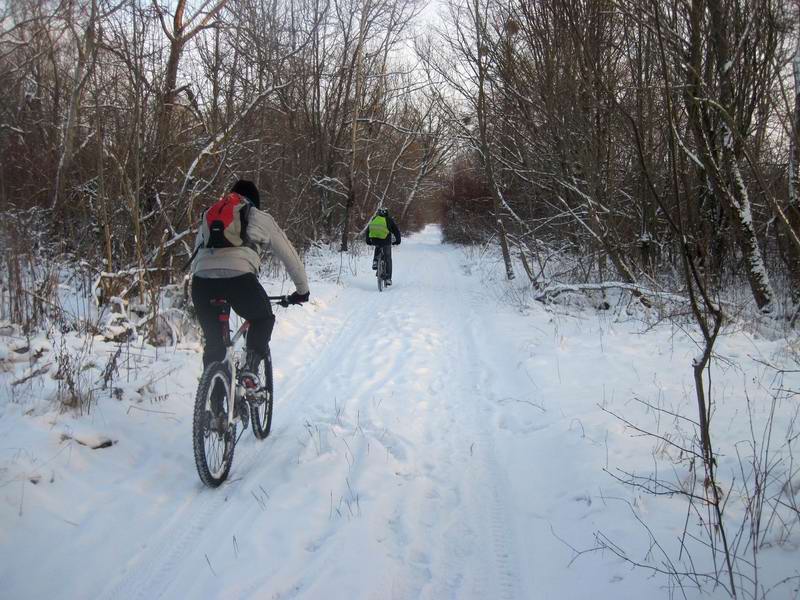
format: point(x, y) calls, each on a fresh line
point(388, 282)
point(249, 376)
point(375, 265)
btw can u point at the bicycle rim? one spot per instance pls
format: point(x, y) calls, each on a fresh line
point(261, 409)
point(212, 437)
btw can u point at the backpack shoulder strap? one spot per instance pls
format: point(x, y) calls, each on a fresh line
point(244, 216)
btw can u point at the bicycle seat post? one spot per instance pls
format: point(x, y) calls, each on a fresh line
point(224, 318)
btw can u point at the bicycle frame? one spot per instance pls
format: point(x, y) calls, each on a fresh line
point(235, 390)
point(230, 353)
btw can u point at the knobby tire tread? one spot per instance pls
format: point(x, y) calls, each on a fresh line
point(261, 432)
point(200, 459)
point(380, 270)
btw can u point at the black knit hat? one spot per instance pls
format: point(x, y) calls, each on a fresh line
point(249, 190)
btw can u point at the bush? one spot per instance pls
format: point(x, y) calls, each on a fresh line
point(467, 206)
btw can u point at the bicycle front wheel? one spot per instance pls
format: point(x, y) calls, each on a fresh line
point(380, 271)
point(213, 437)
point(261, 404)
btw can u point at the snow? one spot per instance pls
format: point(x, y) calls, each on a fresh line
point(431, 441)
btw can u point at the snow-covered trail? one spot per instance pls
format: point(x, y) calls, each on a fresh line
point(380, 479)
point(429, 442)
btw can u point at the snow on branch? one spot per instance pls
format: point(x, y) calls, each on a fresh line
point(12, 128)
point(553, 291)
point(330, 184)
point(211, 146)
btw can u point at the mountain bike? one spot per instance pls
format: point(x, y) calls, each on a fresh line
point(223, 401)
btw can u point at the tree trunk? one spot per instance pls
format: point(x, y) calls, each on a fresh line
point(793, 209)
point(346, 223)
point(486, 155)
point(357, 65)
point(167, 100)
point(178, 37)
point(739, 200)
point(423, 171)
point(86, 49)
point(721, 165)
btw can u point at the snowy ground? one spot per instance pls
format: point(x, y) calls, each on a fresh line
point(429, 442)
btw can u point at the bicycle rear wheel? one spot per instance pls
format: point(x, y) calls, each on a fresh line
point(261, 404)
point(212, 437)
point(380, 270)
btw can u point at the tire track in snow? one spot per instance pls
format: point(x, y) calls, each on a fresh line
point(383, 372)
point(505, 568)
point(464, 506)
point(149, 577)
point(424, 500)
point(447, 531)
point(327, 359)
point(505, 563)
point(149, 572)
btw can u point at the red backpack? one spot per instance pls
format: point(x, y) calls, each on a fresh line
point(225, 222)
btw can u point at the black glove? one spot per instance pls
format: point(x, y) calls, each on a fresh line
point(369, 242)
point(297, 298)
point(396, 243)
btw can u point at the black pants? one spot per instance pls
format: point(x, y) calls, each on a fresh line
point(247, 298)
point(387, 254)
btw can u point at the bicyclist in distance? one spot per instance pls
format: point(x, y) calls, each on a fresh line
point(379, 234)
point(231, 236)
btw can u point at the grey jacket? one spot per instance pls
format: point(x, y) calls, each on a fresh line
point(264, 232)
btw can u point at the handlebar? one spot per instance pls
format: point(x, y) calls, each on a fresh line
point(279, 300)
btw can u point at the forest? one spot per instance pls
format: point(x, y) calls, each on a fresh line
point(646, 139)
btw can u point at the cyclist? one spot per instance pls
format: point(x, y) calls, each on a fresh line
point(379, 234)
point(228, 247)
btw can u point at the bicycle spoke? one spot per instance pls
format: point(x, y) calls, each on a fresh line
point(213, 442)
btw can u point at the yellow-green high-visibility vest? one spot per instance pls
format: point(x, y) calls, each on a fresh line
point(378, 228)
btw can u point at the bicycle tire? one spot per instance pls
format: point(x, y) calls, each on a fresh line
point(213, 450)
point(261, 413)
point(379, 271)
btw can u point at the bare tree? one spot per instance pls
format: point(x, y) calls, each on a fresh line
point(793, 206)
point(463, 64)
point(179, 33)
point(719, 117)
point(86, 53)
